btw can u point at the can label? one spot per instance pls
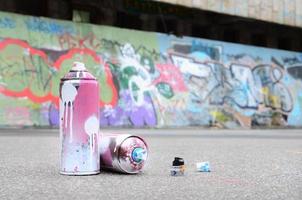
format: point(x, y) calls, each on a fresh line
point(177, 170)
point(79, 126)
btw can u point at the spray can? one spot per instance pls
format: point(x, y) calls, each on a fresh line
point(79, 122)
point(178, 167)
point(123, 153)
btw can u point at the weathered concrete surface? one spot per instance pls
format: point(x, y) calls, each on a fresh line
point(287, 12)
point(246, 164)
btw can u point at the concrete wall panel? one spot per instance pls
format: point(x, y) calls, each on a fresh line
point(146, 79)
point(279, 11)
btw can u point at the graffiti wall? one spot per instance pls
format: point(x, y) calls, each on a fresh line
point(146, 79)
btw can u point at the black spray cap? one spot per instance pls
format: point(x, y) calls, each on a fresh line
point(178, 161)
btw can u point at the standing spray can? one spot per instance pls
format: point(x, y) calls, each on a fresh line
point(123, 153)
point(79, 122)
point(178, 167)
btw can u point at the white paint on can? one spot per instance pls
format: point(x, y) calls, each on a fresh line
point(69, 93)
point(91, 129)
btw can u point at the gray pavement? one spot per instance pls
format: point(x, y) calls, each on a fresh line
point(246, 164)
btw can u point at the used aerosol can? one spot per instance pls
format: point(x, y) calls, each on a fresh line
point(123, 153)
point(178, 167)
point(79, 122)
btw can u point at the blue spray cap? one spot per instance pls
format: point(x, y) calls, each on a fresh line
point(139, 154)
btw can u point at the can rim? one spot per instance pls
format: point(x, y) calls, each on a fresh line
point(64, 79)
point(119, 149)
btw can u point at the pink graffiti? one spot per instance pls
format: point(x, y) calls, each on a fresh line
point(68, 41)
point(22, 113)
point(170, 74)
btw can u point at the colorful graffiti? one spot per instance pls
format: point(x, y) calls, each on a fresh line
point(146, 80)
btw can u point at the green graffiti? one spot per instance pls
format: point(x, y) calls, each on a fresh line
point(148, 63)
point(125, 76)
point(135, 90)
point(220, 116)
point(165, 90)
point(96, 69)
point(27, 70)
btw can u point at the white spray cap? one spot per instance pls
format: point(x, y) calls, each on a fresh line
point(78, 66)
point(203, 166)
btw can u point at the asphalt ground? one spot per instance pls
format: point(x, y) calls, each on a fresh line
point(245, 164)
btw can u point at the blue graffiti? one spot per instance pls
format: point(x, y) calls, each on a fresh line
point(212, 52)
point(46, 26)
point(7, 22)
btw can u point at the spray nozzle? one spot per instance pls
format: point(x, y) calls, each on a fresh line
point(78, 66)
point(139, 154)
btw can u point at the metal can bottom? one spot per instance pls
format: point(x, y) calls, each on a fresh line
point(79, 173)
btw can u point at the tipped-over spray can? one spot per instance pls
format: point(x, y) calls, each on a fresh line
point(123, 153)
point(79, 122)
